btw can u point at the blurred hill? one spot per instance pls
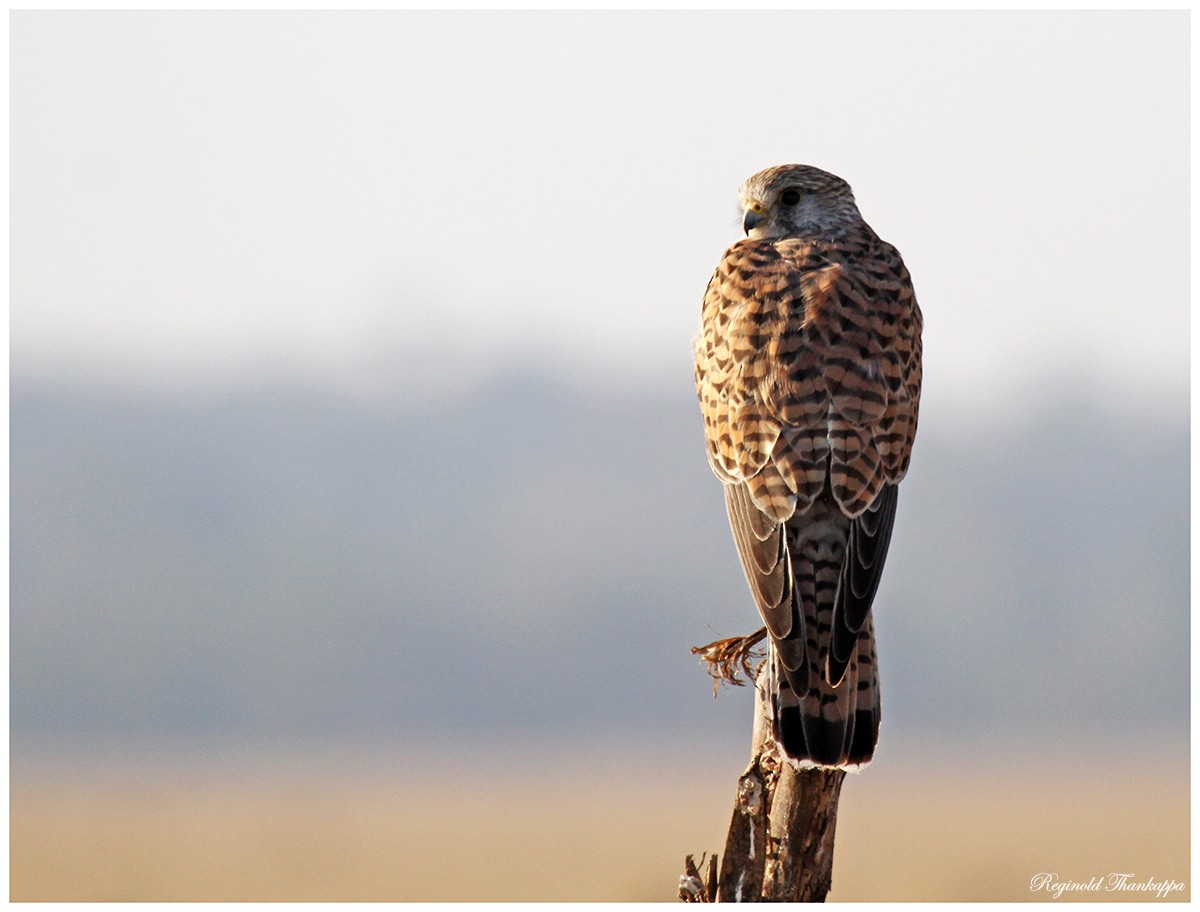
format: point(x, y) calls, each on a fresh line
point(535, 559)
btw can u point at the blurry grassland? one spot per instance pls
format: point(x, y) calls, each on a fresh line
point(574, 828)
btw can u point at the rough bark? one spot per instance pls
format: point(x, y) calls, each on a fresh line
point(780, 842)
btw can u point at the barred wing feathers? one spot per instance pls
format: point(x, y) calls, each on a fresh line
point(808, 369)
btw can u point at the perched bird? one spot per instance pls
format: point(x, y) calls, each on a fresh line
point(808, 369)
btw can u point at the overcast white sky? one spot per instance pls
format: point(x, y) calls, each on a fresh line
point(380, 200)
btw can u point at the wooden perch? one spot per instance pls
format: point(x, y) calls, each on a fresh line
point(780, 842)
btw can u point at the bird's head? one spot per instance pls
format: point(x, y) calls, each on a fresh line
point(795, 201)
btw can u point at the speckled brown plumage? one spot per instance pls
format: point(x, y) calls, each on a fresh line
point(808, 369)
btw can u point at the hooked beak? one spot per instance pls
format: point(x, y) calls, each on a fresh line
point(754, 217)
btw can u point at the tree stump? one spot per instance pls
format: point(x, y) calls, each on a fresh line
point(780, 842)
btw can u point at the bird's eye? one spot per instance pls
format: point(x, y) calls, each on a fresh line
point(790, 197)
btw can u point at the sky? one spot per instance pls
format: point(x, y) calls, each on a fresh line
point(398, 204)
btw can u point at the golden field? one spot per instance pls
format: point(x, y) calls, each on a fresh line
point(566, 825)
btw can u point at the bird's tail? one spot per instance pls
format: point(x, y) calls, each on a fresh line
point(826, 725)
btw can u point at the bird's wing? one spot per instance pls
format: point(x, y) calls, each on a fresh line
point(748, 308)
point(865, 333)
point(808, 369)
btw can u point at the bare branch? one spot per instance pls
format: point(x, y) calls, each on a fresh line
point(780, 842)
point(730, 659)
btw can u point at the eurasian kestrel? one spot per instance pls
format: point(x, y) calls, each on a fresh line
point(808, 367)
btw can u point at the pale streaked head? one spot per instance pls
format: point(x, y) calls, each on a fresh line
point(796, 201)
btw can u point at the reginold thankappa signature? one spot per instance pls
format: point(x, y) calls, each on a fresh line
point(1104, 883)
